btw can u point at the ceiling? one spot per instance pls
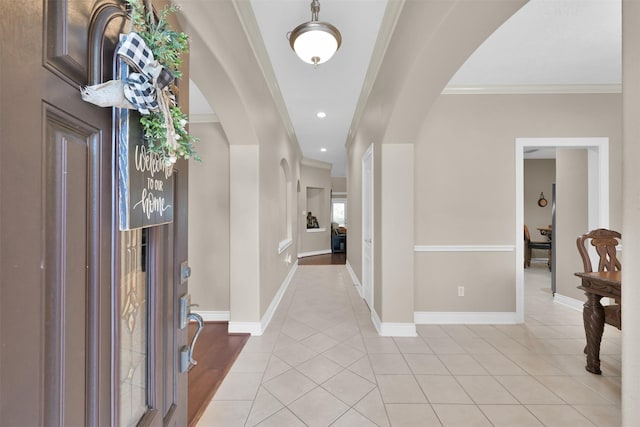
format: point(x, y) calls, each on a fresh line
point(548, 46)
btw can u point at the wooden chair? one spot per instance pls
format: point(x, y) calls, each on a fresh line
point(530, 245)
point(604, 241)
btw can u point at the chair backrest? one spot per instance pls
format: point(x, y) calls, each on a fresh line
point(527, 236)
point(604, 241)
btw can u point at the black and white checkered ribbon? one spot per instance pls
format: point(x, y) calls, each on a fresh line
point(141, 86)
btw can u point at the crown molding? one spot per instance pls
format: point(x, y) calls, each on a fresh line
point(532, 89)
point(315, 163)
point(204, 118)
point(388, 25)
point(251, 28)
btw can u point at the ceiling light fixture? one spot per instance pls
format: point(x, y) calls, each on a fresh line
point(315, 42)
point(323, 149)
point(321, 115)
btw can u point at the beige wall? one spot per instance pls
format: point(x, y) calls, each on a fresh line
point(397, 235)
point(260, 137)
point(454, 143)
point(465, 192)
point(274, 266)
point(316, 205)
point(571, 218)
point(317, 177)
point(487, 277)
point(424, 52)
point(631, 219)
point(339, 185)
point(209, 219)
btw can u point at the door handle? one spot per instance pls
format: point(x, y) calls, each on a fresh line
point(186, 352)
point(198, 319)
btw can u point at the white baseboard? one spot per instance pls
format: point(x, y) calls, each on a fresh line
point(388, 329)
point(356, 282)
point(258, 328)
point(377, 323)
point(321, 252)
point(462, 317)
point(568, 302)
point(253, 328)
point(271, 310)
point(214, 316)
point(544, 260)
point(391, 329)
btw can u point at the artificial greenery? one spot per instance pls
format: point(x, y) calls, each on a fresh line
point(167, 46)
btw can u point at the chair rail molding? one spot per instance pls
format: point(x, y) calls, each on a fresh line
point(464, 248)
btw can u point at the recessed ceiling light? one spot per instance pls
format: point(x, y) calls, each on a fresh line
point(323, 149)
point(321, 114)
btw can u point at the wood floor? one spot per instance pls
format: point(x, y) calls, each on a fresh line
point(215, 351)
point(326, 259)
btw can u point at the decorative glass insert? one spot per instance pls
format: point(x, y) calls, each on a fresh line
point(133, 326)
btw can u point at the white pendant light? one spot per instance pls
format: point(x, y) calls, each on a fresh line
point(315, 42)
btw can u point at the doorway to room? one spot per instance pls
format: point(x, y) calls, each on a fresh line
point(598, 192)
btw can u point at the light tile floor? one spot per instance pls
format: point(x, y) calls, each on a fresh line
point(321, 363)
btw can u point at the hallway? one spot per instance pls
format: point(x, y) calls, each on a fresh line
point(322, 363)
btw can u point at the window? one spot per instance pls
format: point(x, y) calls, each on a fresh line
point(339, 212)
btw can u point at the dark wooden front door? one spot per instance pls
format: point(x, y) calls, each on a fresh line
point(59, 242)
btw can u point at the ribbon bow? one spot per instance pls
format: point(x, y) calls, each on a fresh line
point(141, 86)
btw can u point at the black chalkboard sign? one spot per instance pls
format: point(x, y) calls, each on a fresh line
point(145, 182)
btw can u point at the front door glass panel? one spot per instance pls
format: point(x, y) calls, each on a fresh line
point(133, 327)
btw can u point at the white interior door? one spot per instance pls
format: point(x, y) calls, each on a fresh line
point(367, 226)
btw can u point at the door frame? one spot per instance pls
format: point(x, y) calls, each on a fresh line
point(598, 190)
point(166, 387)
point(367, 219)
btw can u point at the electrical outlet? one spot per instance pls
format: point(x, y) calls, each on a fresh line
point(460, 291)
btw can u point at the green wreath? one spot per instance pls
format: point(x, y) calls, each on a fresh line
point(167, 46)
